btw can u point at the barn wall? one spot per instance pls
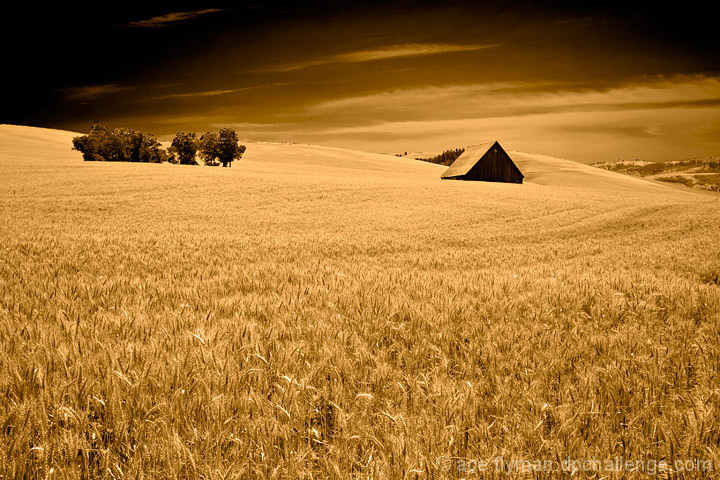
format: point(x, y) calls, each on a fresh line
point(495, 166)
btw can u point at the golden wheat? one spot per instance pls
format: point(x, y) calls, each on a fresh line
point(162, 321)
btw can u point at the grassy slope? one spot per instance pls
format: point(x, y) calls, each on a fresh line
point(319, 311)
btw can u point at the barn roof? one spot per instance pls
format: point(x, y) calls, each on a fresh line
point(463, 164)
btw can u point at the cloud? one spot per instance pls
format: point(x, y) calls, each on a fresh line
point(518, 98)
point(173, 17)
point(216, 93)
point(255, 128)
point(93, 92)
point(207, 93)
point(384, 53)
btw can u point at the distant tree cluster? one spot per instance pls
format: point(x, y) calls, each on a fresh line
point(119, 145)
point(126, 145)
point(445, 158)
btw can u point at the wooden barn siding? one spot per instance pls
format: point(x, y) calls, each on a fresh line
point(495, 167)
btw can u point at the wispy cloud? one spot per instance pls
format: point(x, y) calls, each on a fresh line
point(173, 17)
point(208, 93)
point(93, 92)
point(249, 126)
point(512, 99)
point(384, 53)
point(216, 93)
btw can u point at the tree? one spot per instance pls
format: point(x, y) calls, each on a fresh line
point(93, 145)
point(123, 145)
point(228, 148)
point(185, 145)
point(151, 148)
point(172, 155)
point(162, 156)
point(223, 147)
point(88, 145)
point(208, 146)
point(118, 145)
point(140, 147)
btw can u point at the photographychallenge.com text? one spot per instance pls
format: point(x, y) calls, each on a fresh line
point(568, 465)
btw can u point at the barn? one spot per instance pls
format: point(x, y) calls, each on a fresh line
point(485, 162)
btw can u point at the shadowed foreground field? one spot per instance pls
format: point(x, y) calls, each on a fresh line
point(284, 320)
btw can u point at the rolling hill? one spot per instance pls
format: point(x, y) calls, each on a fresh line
point(26, 146)
point(30, 145)
point(546, 170)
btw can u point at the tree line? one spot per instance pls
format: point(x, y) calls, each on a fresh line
point(445, 158)
point(126, 145)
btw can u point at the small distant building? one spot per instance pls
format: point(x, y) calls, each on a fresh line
point(486, 162)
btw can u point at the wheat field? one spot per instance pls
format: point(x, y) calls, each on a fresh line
point(321, 313)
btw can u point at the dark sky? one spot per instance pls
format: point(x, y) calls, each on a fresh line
point(581, 81)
